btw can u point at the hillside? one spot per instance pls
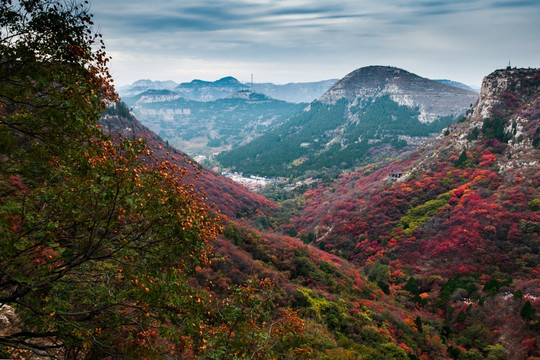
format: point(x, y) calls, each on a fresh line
point(370, 114)
point(202, 128)
point(114, 245)
point(455, 225)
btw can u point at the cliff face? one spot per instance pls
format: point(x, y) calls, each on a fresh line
point(433, 98)
point(520, 83)
point(511, 98)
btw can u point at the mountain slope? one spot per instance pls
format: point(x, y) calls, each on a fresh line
point(371, 113)
point(460, 217)
point(118, 119)
point(272, 294)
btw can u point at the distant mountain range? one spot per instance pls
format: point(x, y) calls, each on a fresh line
point(208, 117)
point(199, 90)
point(371, 113)
point(295, 92)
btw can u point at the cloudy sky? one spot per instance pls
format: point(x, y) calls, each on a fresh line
point(285, 41)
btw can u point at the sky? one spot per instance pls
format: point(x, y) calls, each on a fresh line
point(284, 41)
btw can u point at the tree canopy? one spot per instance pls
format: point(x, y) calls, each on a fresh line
point(98, 237)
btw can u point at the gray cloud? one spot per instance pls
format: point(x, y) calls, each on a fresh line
point(301, 40)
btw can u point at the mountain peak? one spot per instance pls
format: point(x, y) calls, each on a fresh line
point(200, 90)
point(229, 80)
point(432, 98)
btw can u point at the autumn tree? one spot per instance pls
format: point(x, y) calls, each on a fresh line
point(97, 237)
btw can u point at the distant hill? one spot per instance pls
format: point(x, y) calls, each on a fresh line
point(371, 113)
point(200, 90)
point(202, 128)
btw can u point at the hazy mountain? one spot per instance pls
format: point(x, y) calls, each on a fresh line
point(141, 86)
point(202, 128)
point(200, 90)
point(295, 92)
point(457, 84)
point(371, 113)
point(151, 96)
